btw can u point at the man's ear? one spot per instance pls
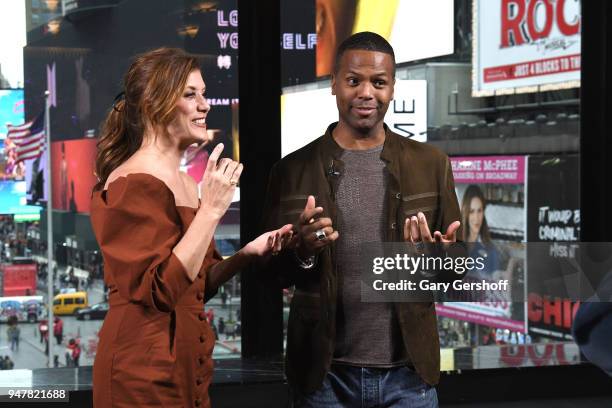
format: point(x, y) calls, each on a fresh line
point(393, 90)
point(333, 84)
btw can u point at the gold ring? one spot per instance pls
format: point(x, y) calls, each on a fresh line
point(233, 182)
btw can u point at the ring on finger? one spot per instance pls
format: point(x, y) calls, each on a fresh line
point(320, 235)
point(233, 182)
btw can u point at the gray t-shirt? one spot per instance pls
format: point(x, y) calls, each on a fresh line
point(367, 334)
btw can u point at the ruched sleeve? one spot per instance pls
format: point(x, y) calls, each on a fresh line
point(137, 225)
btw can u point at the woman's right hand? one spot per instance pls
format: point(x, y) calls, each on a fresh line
point(219, 183)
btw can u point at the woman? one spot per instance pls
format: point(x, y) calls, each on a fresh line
point(156, 237)
point(475, 228)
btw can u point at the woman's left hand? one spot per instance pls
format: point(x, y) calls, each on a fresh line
point(270, 243)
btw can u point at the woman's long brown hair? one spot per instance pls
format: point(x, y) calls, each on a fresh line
point(151, 88)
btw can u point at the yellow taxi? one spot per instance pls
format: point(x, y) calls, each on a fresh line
point(69, 303)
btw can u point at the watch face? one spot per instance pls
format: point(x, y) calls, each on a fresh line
point(307, 263)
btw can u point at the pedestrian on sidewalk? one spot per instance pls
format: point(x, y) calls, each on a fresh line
point(46, 338)
point(230, 328)
point(210, 316)
point(223, 298)
point(13, 333)
point(76, 353)
point(221, 326)
point(214, 329)
point(43, 329)
point(73, 352)
point(58, 330)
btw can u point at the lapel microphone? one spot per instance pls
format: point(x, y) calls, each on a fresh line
point(331, 171)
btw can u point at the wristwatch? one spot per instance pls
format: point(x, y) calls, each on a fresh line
point(307, 263)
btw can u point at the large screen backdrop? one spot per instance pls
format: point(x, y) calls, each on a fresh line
point(312, 30)
point(525, 46)
point(84, 78)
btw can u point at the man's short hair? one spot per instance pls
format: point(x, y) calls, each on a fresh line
point(365, 40)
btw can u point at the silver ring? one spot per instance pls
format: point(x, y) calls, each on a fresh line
point(320, 234)
point(420, 246)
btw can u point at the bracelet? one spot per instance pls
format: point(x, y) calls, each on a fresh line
point(308, 263)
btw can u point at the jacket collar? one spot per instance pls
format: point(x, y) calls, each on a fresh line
point(330, 147)
point(389, 154)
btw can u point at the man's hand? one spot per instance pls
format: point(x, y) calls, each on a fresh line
point(313, 234)
point(417, 231)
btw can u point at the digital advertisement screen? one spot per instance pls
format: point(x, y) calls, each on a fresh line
point(306, 115)
point(11, 109)
point(312, 30)
point(298, 42)
point(13, 198)
point(398, 21)
point(35, 174)
point(553, 216)
point(83, 85)
point(525, 355)
point(491, 195)
point(72, 169)
point(520, 45)
point(11, 112)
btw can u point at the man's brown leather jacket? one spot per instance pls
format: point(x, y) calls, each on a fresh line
point(421, 179)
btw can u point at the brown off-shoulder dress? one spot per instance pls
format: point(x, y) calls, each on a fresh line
point(155, 344)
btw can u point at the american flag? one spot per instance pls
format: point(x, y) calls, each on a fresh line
point(29, 138)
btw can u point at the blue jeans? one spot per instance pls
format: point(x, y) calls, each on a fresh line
point(14, 343)
point(363, 387)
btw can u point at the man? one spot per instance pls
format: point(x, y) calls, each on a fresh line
point(13, 332)
point(356, 184)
